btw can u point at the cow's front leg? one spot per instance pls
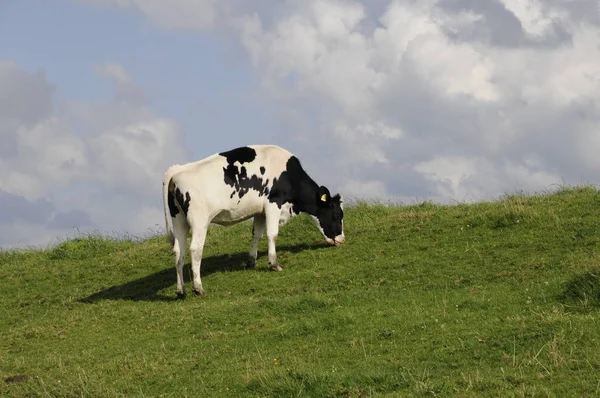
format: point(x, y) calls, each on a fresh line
point(258, 229)
point(196, 248)
point(272, 221)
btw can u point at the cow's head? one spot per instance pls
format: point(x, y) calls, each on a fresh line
point(330, 215)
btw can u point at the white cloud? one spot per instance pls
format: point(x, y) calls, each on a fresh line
point(537, 21)
point(39, 151)
point(401, 23)
point(21, 234)
point(49, 156)
point(364, 189)
point(472, 179)
point(132, 156)
point(319, 45)
point(453, 69)
point(362, 143)
point(120, 149)
point(471, 114)
point(450, 173)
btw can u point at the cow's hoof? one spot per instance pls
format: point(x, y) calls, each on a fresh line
point(251, 263)
point(199, 292)
point(276, 267)
point(180, 296)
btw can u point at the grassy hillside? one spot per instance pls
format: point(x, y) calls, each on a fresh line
point(490, 299)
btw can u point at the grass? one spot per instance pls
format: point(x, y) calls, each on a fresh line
point(488, 299)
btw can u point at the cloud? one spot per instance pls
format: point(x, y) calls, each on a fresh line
point(38, 222)
point(24, 101)
point(59, 171)
point(131, 156)
point(476, 115)
point(26, 97)
point(128, 144)
point(536, 20)
point(17, 208)
point(39, 151)
point(309, 45)
point(364, 189)
point(470, 179)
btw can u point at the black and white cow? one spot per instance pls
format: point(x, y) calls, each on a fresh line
point(261, 181)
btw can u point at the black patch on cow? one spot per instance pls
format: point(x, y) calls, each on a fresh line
point(262, 170)
point(230, 174)
point(293, 186)
point(238, 178)
point(173, 210)
point(242, 154)
point(184, 204)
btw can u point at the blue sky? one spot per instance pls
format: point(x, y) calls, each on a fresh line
point(449, 101)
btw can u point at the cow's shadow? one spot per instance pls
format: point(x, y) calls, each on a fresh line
point(148, 287)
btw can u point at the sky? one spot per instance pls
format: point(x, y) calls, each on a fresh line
point(452, 101)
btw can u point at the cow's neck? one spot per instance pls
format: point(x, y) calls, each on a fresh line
point(304, 199)
point(303, 188)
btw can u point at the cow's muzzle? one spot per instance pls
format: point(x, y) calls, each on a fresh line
point(337, 241)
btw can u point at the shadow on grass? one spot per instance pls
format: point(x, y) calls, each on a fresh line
point(148, 287)
point(582, 293)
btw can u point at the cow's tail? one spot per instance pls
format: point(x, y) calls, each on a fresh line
point(169, 230)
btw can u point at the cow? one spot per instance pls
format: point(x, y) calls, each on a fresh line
point(264, 182)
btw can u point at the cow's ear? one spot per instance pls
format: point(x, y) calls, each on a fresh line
point(323, 195)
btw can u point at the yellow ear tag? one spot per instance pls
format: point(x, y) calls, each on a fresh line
point(324, 197)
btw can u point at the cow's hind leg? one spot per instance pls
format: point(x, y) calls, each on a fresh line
point(180, 233)
point(196, 248)
point(258, 229)
point(272, 221)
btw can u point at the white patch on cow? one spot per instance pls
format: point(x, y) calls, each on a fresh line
point(318, 225)
point(237, 210)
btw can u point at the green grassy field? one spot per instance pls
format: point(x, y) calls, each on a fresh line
point(490, 299)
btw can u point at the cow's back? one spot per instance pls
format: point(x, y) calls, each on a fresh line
point(272, 157)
